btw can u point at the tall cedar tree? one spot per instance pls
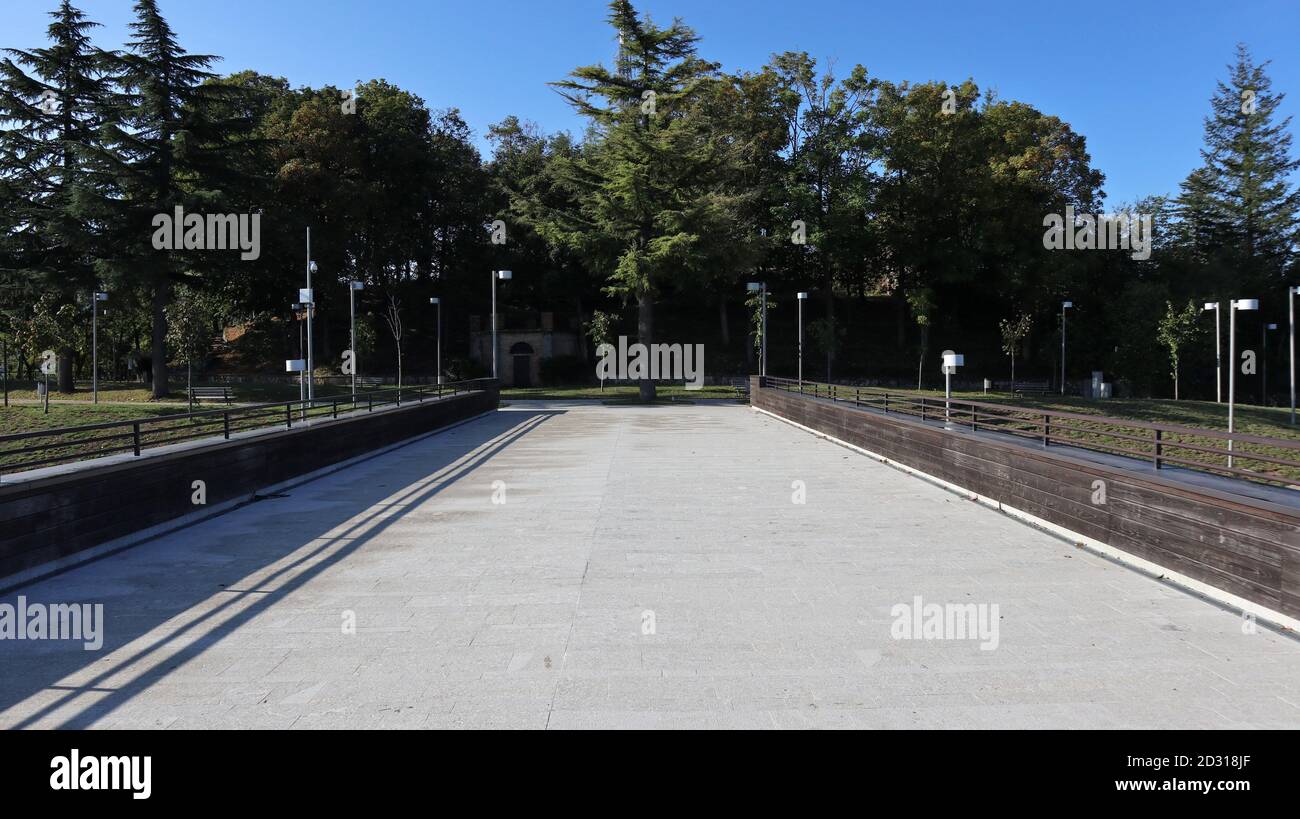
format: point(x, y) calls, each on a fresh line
point(56, 111)
point(642, 205)
point(166, 147)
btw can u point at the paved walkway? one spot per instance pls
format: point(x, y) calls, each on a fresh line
point(616, 522)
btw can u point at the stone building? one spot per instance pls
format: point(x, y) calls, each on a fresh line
point(522, 349)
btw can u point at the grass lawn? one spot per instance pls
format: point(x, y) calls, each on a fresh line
point(622, 393)
point(140, 394)
point(27, 418)
point(1267, 422)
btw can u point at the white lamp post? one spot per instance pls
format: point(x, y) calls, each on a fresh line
point(951, 361)
point(308, 297)
point(803, 297)
point(505, 276)
point(1218, 352)
point(95, 298)
point(1263, 360)
point(438, 302)
point(353, 288)
point(1239, 304)
point(1064, 306)
point(761, 287)
point(1291, 293)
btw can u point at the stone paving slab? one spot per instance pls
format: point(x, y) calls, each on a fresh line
point(536, 612)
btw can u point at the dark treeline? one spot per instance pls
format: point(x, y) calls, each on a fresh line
point(914, 213)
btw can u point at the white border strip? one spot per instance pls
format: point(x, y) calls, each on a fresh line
point(1152, 570)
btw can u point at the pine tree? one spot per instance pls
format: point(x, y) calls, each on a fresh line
point(646, 175)
point(1239, 209)
point(167, 146)
point(55, 98)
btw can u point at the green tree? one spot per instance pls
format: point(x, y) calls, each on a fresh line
point(647, 177)
point(55, 113)
point(190, 319)
point(1240, 207)
point(166, 146)
point(1014, 332)
point(1179, 328)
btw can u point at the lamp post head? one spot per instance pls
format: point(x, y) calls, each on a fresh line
point(754, 287)
point(435, 301)
point(1069, 305)
point(1272, 326)
point(1246, 304)
point(803, 297)
point(1213, 305)
point(101, 296)
point(357, 285)
point(505, 275)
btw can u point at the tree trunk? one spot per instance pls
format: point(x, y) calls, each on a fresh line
point(160, 340)
point(920, 364)
point(582, 334)
point(67, 384)
point(645, 327)
point(831, 335)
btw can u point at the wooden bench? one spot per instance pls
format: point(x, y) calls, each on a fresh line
point(1031, 388)
point(200, 394)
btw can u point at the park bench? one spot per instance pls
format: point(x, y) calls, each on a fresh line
point(1031, 388)
point(200, 394)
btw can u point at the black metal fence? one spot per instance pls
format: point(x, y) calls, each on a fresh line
point(67, 444)
point(1252, 457)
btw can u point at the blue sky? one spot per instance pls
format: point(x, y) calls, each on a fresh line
point(1133, 77)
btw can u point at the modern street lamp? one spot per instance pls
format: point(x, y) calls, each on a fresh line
point(803, 297)
point(951, 361)
point(95, 298)
point(761, 287)
point(1242, 305)
point(353, 289)
point(309, 298)
point(438, 302)
point(1263, 360)
point(1291, 293)
point(1064, 306)
point(300, 364)
point(1218, 352)
point(505, 276)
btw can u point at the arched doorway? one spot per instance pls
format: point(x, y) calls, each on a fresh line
point(522, 353)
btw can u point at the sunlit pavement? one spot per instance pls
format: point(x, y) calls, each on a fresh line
point(579, 566)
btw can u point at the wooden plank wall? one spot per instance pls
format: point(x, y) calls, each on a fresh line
point(56, 517)
point(1247, 547)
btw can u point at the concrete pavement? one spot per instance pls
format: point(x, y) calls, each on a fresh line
point(578, 566)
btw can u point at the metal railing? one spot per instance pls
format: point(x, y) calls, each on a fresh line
point(68, 444)
point(1267, 460)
